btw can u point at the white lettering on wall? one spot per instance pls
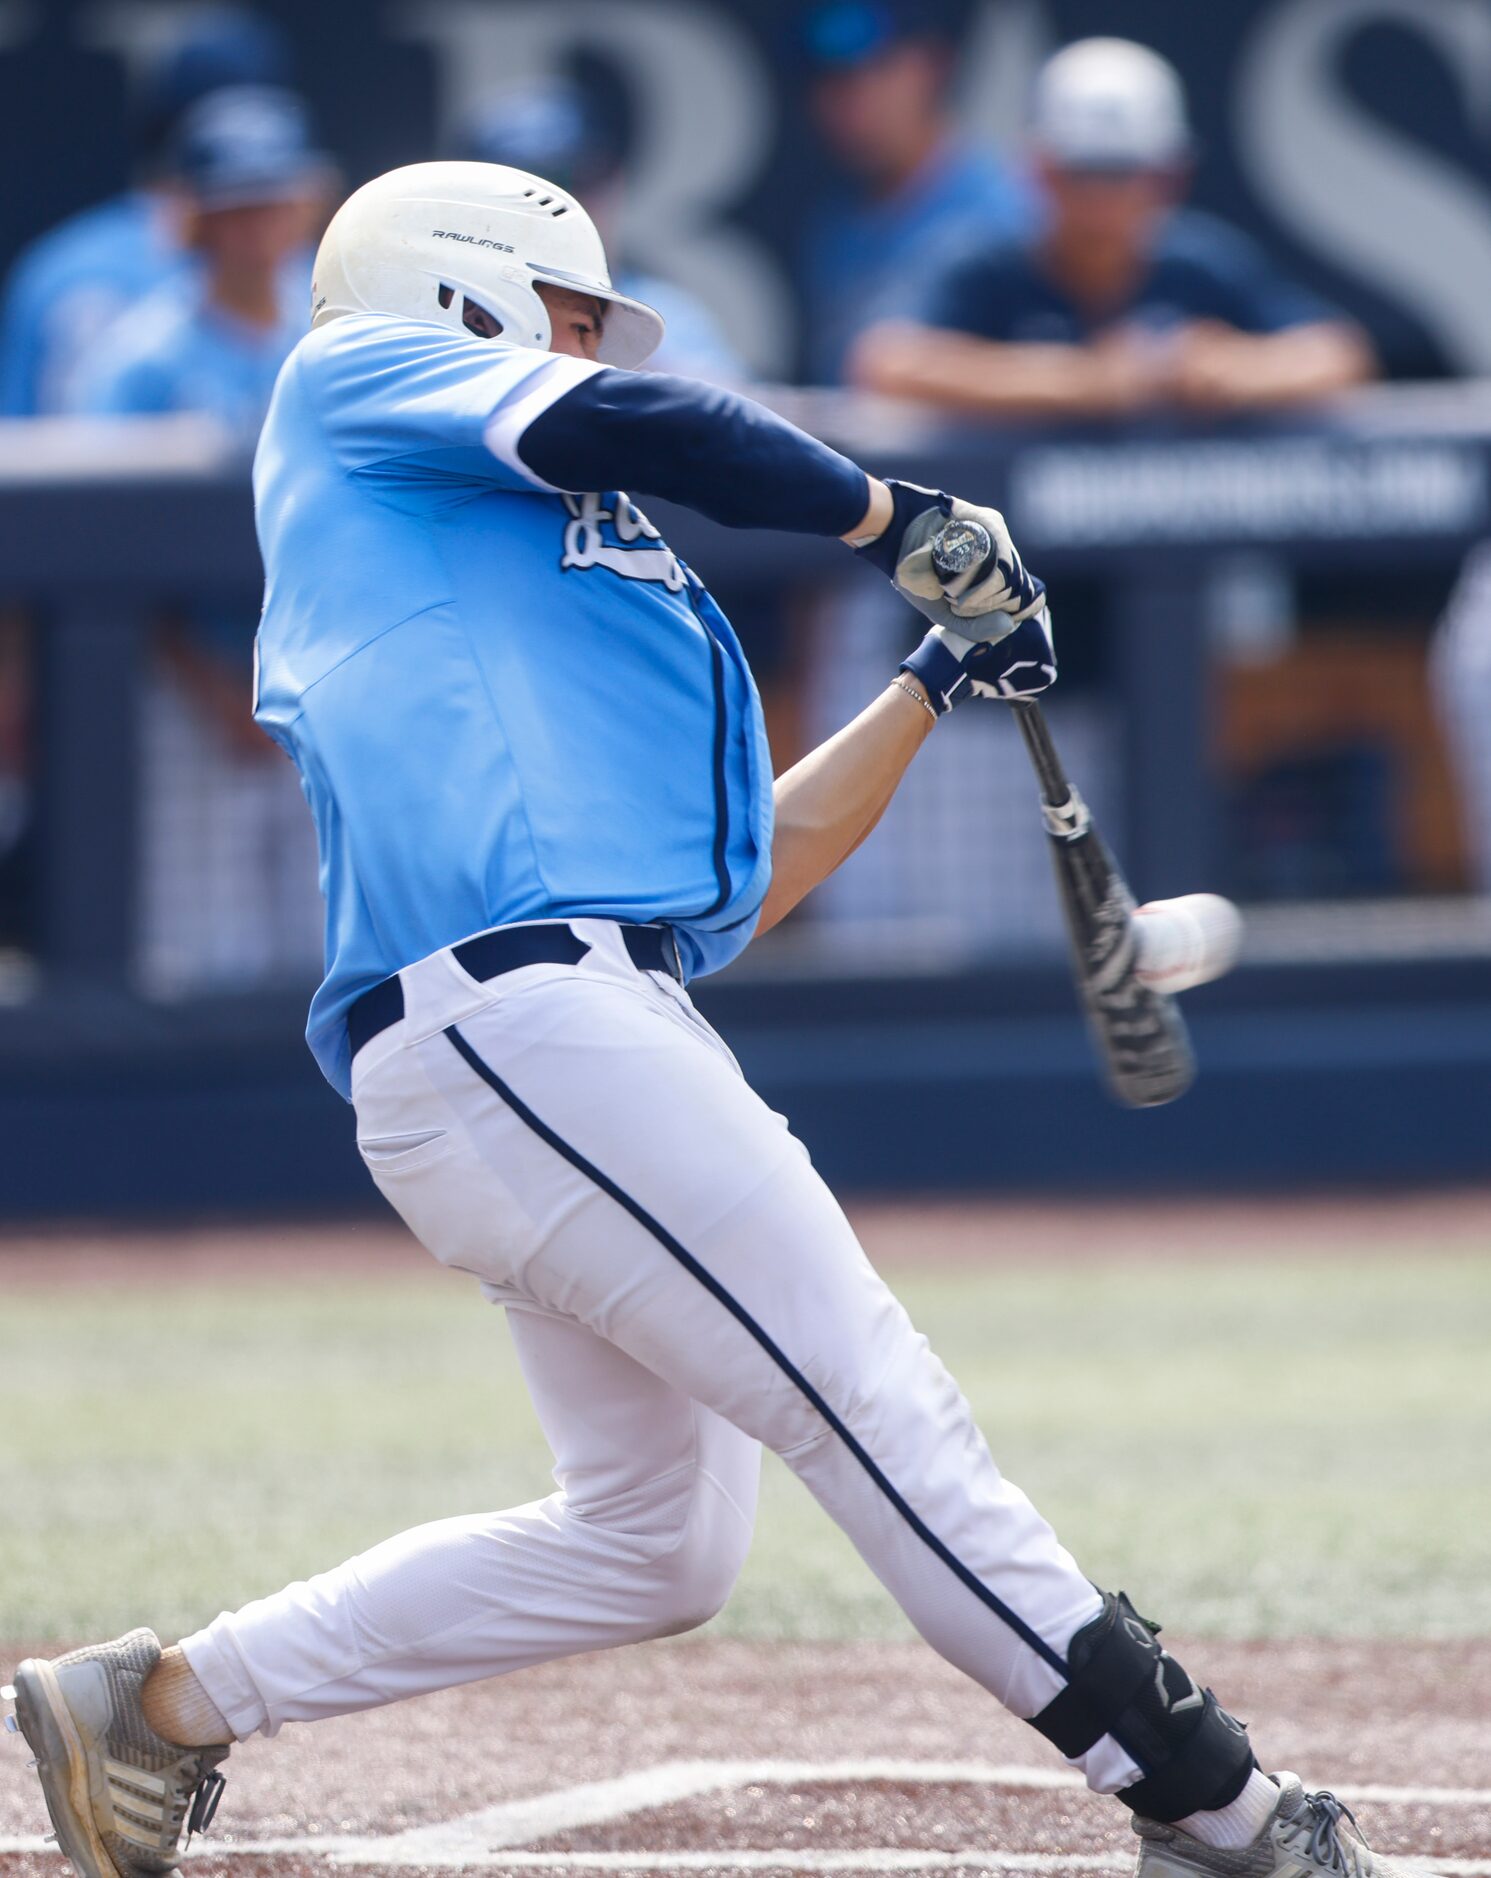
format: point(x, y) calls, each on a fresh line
point(1381, 207)
point(1008, 43)
point(17, 22)
point(703, 112)
point(137, 31)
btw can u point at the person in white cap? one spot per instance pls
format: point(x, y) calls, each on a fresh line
point(1124, 300)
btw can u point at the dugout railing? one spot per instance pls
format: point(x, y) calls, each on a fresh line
point(1355, 1042)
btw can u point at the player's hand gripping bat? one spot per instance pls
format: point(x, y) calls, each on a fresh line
point(1140, 1034)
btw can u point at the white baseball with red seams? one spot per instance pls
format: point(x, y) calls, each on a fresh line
point(1188, 941)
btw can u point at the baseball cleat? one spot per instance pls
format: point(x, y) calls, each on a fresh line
point(120, 1797)
point(1310, 1835)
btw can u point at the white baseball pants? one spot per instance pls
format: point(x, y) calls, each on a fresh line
point(682, 1287)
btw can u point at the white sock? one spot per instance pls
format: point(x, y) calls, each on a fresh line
point(1240, 1823)
point(178, 1708)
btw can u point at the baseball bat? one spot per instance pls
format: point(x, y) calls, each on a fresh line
point(1141, 1038)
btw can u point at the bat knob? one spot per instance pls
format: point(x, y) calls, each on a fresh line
point(958, 548)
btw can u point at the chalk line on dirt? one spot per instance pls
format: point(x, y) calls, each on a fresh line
point(490, 1837)
point(718, 1859)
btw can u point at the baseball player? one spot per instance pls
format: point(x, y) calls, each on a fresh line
point(534, 759)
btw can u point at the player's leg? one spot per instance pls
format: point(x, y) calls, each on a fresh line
point(599, 1148)
point(644, 1536)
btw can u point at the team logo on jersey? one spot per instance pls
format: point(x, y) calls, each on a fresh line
point(587, 542)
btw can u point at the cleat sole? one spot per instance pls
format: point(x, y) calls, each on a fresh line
point(43, 1717)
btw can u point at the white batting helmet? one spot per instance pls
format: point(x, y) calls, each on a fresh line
point(422, 240)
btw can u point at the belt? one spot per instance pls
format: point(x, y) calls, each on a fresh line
point(508, 949)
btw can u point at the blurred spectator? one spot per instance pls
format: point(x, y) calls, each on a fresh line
point(1123, 300)
point(551, 130)
point(70, 283)
point(1460, 668)
point(879, 97)
point(254, 193)
point(228, 868)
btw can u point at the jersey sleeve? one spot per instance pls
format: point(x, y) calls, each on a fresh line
point(698, 445)
point(401, 398)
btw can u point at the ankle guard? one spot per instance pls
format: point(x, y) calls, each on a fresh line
point(1194, 1757)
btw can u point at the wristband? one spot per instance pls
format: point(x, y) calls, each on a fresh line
point(941, 672)
point(908, 501)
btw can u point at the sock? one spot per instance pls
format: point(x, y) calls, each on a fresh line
point(179, 1709)
point(1240, 1823)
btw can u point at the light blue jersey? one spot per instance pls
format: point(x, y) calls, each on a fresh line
point(176, 351)
point(69, 286)
point(506, 703)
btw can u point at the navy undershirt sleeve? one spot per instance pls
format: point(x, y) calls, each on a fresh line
point(698, 445)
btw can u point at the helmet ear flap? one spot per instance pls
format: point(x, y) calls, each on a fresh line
point(476, 316)
point(479, 319)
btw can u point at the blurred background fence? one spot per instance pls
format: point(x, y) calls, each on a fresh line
point(1272, 683)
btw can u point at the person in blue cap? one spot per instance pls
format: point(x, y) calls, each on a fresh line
point(552, 129)
point(71, 282)
point(253, 189)
point(913, 188)
point(228, 876)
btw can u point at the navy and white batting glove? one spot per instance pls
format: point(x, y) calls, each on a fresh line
point(1001, 586)
point(952, 667)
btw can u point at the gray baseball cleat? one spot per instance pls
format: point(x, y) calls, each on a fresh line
point(120, 1797)
point(1305, 1838)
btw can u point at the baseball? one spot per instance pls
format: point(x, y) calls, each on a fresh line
point(1186, 942)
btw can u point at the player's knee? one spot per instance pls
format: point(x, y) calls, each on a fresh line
point(695, 1577)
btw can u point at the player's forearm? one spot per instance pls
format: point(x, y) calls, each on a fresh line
point(1308, 362)
point(829, 802)
point(984, 377)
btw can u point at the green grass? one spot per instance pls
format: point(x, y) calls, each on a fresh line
point(1269, 1448)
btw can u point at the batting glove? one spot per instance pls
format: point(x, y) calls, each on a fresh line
point(952, 668)
point(989, 601)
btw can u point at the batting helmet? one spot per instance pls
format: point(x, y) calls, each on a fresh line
point(419, 241)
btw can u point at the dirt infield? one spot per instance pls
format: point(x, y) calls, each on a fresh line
point(727, 1757)
point(724, 1756)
